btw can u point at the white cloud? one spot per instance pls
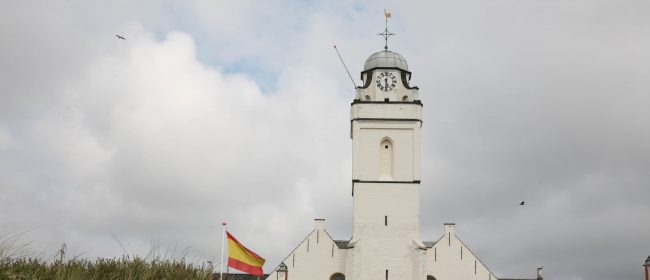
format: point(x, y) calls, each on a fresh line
point(151, 139)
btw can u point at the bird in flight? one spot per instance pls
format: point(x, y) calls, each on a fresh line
point(120, 37)
point(522, 203)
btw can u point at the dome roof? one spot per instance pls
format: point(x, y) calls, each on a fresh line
point(386, 59)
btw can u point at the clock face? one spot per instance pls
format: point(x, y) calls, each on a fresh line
point(386, 81)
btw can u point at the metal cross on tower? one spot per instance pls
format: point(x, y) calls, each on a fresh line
point(386, 33)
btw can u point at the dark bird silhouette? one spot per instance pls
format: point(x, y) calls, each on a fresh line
point(120, 37)
point(522, 203)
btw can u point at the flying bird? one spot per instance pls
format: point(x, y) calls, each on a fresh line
point(522, 203)
point(120, 37)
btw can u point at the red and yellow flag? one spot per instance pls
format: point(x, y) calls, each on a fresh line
point(240, 258)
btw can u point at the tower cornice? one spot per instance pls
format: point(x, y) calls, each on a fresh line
point(414, 102)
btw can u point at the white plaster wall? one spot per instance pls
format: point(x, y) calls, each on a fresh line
point(379, 246)
point(395, 245)
point(444, 262)
point(368, 136)
point(386, 110)
point(315, 263)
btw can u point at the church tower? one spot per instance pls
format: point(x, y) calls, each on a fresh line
point(386, 118)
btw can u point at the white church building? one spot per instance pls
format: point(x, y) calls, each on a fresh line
point(386, 123)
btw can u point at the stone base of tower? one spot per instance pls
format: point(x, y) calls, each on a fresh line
point(408, 265)
point(386, 234)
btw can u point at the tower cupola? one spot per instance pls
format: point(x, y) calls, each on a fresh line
point(386, 78)
point(385, 59)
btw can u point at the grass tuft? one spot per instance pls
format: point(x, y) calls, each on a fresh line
point(17, 262)
point(102, 268)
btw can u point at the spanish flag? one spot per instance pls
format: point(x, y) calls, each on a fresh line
point(240, 258)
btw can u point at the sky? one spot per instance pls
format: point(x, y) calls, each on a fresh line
point(238, 111)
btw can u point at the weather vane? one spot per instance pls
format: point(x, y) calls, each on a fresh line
point(386, 33)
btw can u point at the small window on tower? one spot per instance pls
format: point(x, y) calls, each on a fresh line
point(405, 98)
point(367, 97)
point(386, 159)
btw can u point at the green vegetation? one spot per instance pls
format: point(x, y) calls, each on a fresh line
point(17, 263)
point(124, 268)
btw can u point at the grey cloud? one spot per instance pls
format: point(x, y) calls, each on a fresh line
point(538, 101)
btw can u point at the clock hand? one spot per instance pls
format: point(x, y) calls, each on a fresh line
point(386, 80)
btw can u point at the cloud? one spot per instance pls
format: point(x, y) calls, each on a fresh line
point(150, 141)
point(239, 112)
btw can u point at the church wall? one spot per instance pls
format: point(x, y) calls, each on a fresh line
point(386, 228)
point(368, 136)
point(382, 110)
point(317, 257)
point(400, 202)
point(447, 261)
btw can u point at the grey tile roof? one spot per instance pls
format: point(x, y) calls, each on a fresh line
point(238, 276)
point(342, 244)
point(429, 244)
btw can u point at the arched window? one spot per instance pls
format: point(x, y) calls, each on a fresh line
point(337, 276)
point(429, 277)
point(386, 159)
point(367, 97)
point(405, 98)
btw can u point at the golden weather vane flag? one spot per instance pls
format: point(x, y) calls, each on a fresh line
point(387, 14)
point(386, 33)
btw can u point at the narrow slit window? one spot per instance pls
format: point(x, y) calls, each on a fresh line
point(386, 220)
point(386, 159)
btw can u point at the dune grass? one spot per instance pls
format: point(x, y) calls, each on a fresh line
point(18, 263)
point(122, 268)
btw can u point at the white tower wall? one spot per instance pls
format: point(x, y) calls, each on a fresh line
point(386, 123)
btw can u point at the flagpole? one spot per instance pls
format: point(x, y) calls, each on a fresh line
point(223, 241)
